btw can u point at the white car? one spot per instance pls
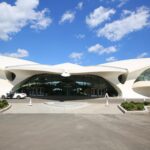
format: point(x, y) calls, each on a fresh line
point(14, 95)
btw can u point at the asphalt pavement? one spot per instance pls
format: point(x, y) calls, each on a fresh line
point(74, 132)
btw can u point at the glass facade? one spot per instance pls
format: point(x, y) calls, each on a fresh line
point(75, 85)
point(145, 76)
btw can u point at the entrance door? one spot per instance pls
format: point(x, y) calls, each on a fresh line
point(67, 90)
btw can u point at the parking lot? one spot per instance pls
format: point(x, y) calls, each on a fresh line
point(72, 125)
point(74, 132)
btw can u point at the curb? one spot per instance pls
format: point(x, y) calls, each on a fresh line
point(134, 112)
point(6, 108)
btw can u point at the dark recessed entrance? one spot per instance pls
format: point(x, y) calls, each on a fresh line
point(47, 85)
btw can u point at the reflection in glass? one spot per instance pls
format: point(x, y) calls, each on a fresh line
point(144, 76)
point(75, 85)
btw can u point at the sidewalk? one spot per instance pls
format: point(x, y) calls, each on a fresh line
point(65, 107)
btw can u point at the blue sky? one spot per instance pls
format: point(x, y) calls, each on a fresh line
point(86, 32)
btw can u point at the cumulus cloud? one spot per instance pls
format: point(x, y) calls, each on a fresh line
point(98, 16)
point(68, 16)
point(132, 21)
point(142, 55)
point(99, 49)
point(14, 17)
point(76, 56)
point(126, 13)
point(111, 59)
point(79, 6)
point(122, 3)
point(20, 53)
point(41, 22)
point(80, 36)
point(107, 1)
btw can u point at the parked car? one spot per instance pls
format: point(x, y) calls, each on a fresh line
point(14, 95)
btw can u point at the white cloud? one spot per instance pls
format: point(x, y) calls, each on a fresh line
point(107, 1)
point(126, 13)
point(41, 23)
point(111, 59)
point(133, 22)
point(68, 16)
point(14, 17)
point(76, 56)
point(99, 49)
point(19, 54)
point(98, 16)
point(122, 2)
point(79, 6)
point(80, 36)
point(142, 55)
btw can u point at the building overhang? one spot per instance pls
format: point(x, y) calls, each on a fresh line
point(71, 69)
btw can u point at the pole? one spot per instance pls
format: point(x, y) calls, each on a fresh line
point(30, 102)
point(106, 97)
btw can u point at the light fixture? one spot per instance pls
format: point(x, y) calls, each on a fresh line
point(65, 74)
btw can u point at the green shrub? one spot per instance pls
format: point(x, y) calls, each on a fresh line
point(127, 105)
point(140, 106)
point(130, 106)
point(124, 104)
point(3, 104)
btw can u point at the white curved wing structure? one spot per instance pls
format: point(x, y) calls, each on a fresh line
point(129, 69)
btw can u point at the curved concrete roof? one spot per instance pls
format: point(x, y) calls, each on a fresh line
point(71, 68)
point(10, 61)
point(131, 64)
point(124, 66)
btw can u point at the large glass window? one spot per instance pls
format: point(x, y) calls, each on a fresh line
point(145, 76)
point(75, 85)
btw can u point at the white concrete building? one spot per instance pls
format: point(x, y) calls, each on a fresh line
point(127, 78)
